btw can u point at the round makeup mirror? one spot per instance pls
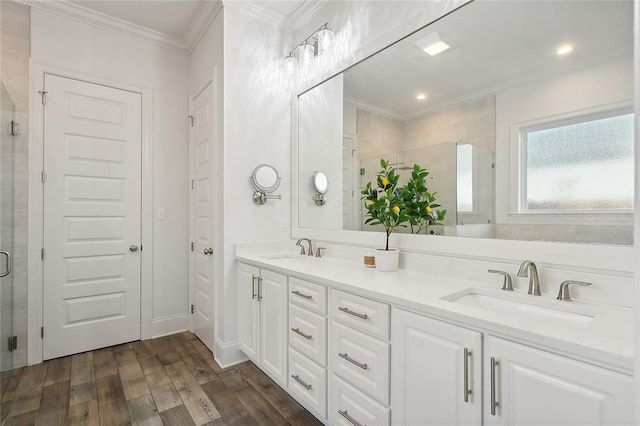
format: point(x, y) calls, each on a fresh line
point(320, 182)
point(265, 178)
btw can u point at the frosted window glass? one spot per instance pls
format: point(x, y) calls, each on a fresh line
point(465, 178)
point(581, 166)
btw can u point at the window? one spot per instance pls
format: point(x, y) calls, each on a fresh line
point(465, 178)
point(585, 164)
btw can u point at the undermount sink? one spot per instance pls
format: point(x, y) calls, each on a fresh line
point(287, 256)
point(519, 304)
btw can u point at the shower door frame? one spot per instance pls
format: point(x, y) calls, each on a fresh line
point(37, 71)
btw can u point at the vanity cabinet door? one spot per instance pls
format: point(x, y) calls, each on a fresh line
point(249, 311)
point(435, 365)
point(531, 386)
point(273, 327)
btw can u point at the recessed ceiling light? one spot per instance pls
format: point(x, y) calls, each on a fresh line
point(434, 43)
point(421, 96)
point(564, 49)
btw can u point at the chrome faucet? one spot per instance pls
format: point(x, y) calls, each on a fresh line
point(564, 294)
point(529, 269)
point(302, 251)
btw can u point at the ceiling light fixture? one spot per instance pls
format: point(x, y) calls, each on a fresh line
point(301, 56)
point(421, 96)
point(564, 49)
point(434, 44)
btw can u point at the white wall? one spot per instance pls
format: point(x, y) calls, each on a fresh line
point(320, 129)
point(257, 129)
point(80, 47)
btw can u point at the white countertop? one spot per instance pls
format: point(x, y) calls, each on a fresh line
point(607, 340)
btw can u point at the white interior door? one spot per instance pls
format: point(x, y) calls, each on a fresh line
point(201, 142)
point(92, 203)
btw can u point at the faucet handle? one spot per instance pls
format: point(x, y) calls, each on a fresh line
point(507, 284)
point(563, 293)
point(319, 251)
point(302, 252)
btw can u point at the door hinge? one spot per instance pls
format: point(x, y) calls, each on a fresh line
point(191, 308)
point(190, 117)
point(362, 171)
point(42, 254)
point(43, 93)
point(14, 129)
point(42, 332)
point(193, 184)
point(13, 343)
point(193, 246)
point(42, 176)
point(141, 247)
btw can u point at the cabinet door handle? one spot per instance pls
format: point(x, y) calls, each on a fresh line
point(7, 270)
point(467, 391)
point(306, 336)
point(494, 403)
point(302, 382)
point(355, 314)
point(253, 287)
point(259, 289)
point(353, 361)
point(345, 414)
point(306, 296)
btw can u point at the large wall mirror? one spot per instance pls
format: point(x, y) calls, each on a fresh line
point(524, 119)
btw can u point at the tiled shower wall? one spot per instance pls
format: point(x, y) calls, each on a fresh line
point(14, 29)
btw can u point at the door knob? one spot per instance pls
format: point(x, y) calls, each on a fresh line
point(133, 248)
point(208, 251)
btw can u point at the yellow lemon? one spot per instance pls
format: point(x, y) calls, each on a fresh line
point(385, 181)
point(396, 209)
point(428, 209)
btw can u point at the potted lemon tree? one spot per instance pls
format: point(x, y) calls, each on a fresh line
point(385, 206)
point(420, 203)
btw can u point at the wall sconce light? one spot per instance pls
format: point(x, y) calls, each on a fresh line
point(301, 56)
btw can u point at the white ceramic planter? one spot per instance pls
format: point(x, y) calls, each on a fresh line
point(387, 260)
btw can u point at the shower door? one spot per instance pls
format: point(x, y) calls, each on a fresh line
point(7, 196)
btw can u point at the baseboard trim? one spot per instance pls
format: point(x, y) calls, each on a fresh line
point(169, 325)
point(228, 354)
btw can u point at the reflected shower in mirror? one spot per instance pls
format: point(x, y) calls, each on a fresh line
point(523, 118)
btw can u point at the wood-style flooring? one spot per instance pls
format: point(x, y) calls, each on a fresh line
point(172, 380)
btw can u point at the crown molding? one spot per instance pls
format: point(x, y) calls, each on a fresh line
point(129, 29)
point(261, 12)
point(376, 109)
point(301, 16)
point(201, 25)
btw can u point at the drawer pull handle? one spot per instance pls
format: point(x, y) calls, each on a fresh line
point(253, 287)
point(494, 402)
point(306, 296)
point(465, 360)
point(345, 414)
point(355, 314)
point(353, 361)
point(299, 380)
point(306, 336)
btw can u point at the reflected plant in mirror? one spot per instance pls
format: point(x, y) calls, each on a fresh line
point(420, 204)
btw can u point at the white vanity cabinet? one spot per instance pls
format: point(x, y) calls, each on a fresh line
point(436, 375)
point(262, 319)
point(523, 385)
point(359, 360)
point(308, 345)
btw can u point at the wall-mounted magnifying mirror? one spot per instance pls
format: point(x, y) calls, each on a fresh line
point(321, 185)
point(264, 179)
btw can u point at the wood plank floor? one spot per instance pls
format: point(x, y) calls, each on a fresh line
point(172, 380)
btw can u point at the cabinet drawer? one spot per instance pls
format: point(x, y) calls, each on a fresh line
point(361, 313)
point(309, 295)
point(361, 360)
point(348, 407)
point(308, 333)
point(308, 381)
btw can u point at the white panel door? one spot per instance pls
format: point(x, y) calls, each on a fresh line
point(249, 311)
point(533, 387)
point(272, 294)
point(92, 203)
point(202, 216)
point(428, 372)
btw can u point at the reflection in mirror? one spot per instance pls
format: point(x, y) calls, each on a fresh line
point(320, 182)
point(525, 123)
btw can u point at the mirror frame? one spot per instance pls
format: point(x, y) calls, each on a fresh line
point(549, 254)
